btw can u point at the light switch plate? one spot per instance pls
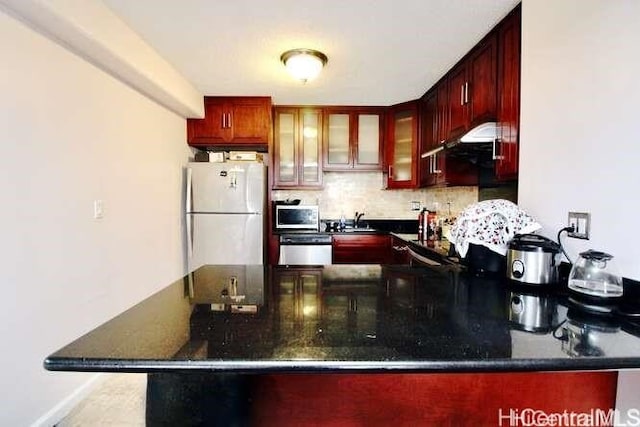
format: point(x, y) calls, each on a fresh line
point(98, 209)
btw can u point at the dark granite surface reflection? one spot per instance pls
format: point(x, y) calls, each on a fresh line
point(343, 317)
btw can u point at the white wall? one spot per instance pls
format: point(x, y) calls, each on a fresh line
point(91, 30)
point(580, 128)
point(69, 134)
point(580, 122)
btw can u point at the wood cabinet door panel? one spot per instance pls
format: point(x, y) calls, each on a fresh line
point(428, 137)
point(402, 145)
point(353, 138)
point(286, 148)
point(232, 120)
point(482, 86)
point(310, 143)
point(508, 97)
point(250, 121)
point(457, 107)
point(210, 129)
point(338, 129)
point(442, 120)
point(297, 148)
point(361, 249)
point(367, 144)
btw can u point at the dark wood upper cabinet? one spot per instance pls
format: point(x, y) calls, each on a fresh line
point(353, 138)
point(442, 119)
point(458, 110)
point(484, 86)
point(508, 97)
point(402, 145)
point(439, 168)
point(297, 147)
point(472, 88)
point(232, 122)
point(428, 136)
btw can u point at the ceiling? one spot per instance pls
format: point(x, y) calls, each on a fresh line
point(380, 52)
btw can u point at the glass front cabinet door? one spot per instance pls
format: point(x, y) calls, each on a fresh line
point(353, 138)
point(298, 148)
point(402, 149)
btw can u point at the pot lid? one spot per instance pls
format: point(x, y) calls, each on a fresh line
point(533, 242)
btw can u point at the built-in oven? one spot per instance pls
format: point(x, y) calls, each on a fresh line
point(305, 249)
point(296, 217)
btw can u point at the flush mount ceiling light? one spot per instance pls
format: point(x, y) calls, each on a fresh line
point(304, 64)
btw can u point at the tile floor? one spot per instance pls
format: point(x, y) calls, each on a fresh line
point(117, 401)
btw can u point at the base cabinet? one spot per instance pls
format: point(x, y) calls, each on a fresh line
point(469, 399)
point(361, 249)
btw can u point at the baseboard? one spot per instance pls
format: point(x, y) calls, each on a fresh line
point(62, 409)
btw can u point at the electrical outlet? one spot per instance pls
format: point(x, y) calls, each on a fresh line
point(581, 223)
point(415, 206)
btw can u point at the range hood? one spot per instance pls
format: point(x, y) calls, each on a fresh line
point(479, 139)
point(486, 132)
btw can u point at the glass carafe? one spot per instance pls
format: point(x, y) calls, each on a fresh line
point(595, 274)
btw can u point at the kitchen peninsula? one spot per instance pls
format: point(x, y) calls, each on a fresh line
point(224, 332)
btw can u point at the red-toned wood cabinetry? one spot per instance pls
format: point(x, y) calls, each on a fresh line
point(297, 147)
point(232, 122)
point(352, 138)
point(458, 399)
point(428, 137)
point(439, 168)
point(472, 88)
point(402, 145)
point(508, 97)
point(361, 248)
point(484, 86)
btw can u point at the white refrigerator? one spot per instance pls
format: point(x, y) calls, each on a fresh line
point(225, 206)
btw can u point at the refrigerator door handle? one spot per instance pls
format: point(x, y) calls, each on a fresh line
point(189, 222)
point(188, 214)
point(188, 192)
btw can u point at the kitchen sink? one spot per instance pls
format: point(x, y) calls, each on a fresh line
point(357, 230)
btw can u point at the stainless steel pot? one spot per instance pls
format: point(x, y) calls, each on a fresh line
point(532, 259)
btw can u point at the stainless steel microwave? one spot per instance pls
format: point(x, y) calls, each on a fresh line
point(303, 217)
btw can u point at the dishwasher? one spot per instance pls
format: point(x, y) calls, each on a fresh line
point(305, 249)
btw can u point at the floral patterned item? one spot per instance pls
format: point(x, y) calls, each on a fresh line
point(491, 223)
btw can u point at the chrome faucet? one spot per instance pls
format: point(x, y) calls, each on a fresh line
point(356, 222)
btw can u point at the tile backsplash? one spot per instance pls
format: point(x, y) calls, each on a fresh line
point(350, 192)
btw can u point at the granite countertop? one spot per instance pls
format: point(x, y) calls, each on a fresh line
point(353, 318)
point(438, 250)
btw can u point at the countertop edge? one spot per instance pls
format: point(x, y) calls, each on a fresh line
point(291, 366)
